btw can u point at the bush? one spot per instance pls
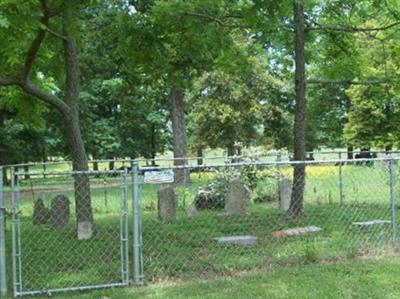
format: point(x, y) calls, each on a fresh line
point(262, 183)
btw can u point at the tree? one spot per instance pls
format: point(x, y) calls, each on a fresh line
point(67, 103)
point(229, 101)
point(176, 41)
point(299, 132)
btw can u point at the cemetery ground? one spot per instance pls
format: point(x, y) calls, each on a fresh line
point(359, 278)
point(182, 251)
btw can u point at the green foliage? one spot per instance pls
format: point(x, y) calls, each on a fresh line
point(231, 103)
point(261, 182)
point(173, 40)
point(373, 117)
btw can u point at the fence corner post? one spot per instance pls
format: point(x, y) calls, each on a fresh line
point(3, 273)
point(137, 227)
point(392, 183)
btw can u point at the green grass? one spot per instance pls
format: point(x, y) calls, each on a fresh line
point(371, 278)
point(185, 250)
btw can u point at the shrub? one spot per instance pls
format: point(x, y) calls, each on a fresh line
point(262, 183)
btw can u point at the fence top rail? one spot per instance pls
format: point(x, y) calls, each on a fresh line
point(275, 163)
point(72, 172)
point(172, 159)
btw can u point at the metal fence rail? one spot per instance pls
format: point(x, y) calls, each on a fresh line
point(220, 219)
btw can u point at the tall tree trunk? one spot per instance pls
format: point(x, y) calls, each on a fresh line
point(26, 171)
point(153, 149)
point(83, 206)
point(179, 136)
point(231, 150)
point(296, 202)
point(6, 182)
point(200, 155)
point(350, 152)
point(111, 165)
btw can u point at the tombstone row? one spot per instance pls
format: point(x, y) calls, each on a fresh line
point(58, 214)
point(237, 199)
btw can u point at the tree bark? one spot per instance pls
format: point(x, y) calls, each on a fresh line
point(296, 202)
point(83, 207)
point(231, 150)
point(96, 166)
point(6, 181)
point(179, 136)
point(26, 171)
point(199, 156)
point(153, 149)
point(111, 165)
point(350, 152)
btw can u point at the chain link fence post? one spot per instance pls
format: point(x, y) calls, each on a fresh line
point(137, 233)
point(124, 230)
point(3, 273)
point(392, 183)
point(186, 176)
point(341, 195)
point(16, 241)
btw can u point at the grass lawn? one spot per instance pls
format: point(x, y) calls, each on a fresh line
point(358, 278)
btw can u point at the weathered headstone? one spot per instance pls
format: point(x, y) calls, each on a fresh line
point(191, 210)
point(59, 212)
point(41, 214)
point(237, 199)
point(297, 231)
point(166, 203)
point(371, 223)
point(238, 240)
point(285, 194)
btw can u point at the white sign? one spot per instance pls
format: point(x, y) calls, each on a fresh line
point(159, 177)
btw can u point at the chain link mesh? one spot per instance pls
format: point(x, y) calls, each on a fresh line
point(52, 252)
point(225, 219)
point(347, 211)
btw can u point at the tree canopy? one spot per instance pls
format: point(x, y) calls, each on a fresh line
point(115, 79)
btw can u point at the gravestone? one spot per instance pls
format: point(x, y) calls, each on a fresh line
point(297, 231)
point(371, 223)
point(41, 214)
point(166, 203)
point(285, 194)
point(238, 240)
point(191, 210)
point(237, 199)
point(59, 212)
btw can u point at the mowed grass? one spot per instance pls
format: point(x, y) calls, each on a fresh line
point(357, 278)
point(184, 249)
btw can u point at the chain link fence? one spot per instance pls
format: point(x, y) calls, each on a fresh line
point(237, 217)
point(51, 250)
point(223, 219)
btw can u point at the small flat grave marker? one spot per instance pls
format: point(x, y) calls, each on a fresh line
point(238, 240)
point(297, 231)
point(370, 223)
